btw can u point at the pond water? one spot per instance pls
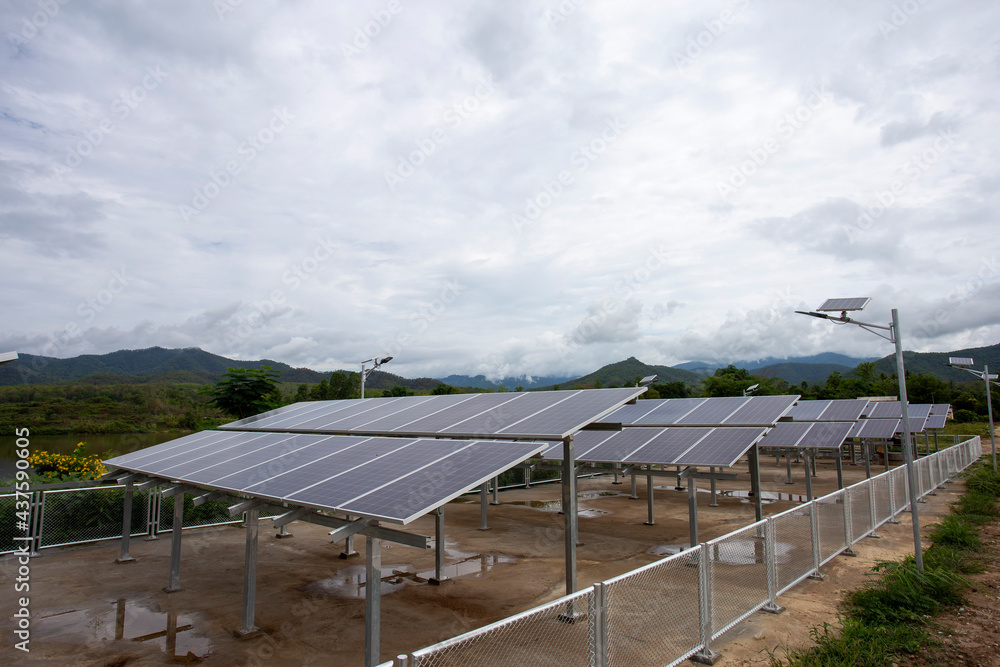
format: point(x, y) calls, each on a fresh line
point(106, 444)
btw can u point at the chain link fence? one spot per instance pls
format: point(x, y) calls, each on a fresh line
point(655, 615)
point(11, 526)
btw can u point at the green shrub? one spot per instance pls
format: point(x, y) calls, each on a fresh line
point(977, 508)
point(905, 594)
point(956, 532)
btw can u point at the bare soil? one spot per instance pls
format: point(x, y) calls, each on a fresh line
point(89, 610)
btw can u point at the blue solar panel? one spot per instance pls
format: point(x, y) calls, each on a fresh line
point(668, 412)
point(786, 434)
point(713, 412)
point(722, 447)
point(761, 411)
point(884, 410)
point(669, 446)
point(826, 435)
point(619, 447)
point(804, 411)
point(843, 410)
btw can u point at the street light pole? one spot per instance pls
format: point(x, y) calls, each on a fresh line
point(366, 373)
point(843, 305)
point(962, 362)
point(911, 476)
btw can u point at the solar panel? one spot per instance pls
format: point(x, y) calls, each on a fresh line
point(884, 410)
point(843, 410)
point(935, 422)
point(940, 408)
point(619, 447)
point(393, 479)
point(876, 429)
point(669, 446)
point(713, 412)
point(761, 411)
point(918, 410)
point(543, 415)
point(960, 361)
point(807, 410)
point(786, 434)
point(722, 447)
point(827, 435)
point(838, 305)
point(666, 412)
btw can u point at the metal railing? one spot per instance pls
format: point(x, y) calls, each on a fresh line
point(57, 515)
point(670, 610)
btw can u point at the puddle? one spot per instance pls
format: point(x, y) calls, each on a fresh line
point(173, 633)
point(732, 552)
point(349, 583)
point(667, 549)
point(765, 497)
point(586, 495)
point(556, 506)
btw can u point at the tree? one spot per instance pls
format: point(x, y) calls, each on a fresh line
point(244, 392)
point(444, 389)
point(344, 385)
point(302, 393)
point(398, 390)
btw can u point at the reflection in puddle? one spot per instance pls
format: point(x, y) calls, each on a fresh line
point(349, 582)
point(124, 620)
point(556, 506)
point(765, 497)
point(668, 549)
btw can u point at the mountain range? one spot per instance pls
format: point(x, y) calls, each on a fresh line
point(194, 365)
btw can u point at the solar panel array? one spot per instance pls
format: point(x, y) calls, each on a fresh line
point(937, 417)
point(853, 303)
point(876, 429)
point(808, 435)
point(549, 415)
point(391, 479)
point(734, 411)
point(690, 446)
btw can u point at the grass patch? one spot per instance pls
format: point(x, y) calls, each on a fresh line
point(888, 617)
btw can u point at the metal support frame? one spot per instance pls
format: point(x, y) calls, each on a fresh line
point(788, 468)
point(705, 654)
point(373, 599)
point(174, 584)
point(678, 486)
point(599, 626)
point(37, 508)
point(484, 490)
point(634, 495)
point(892, 504)
point(871, 511)
point(438, 577)
point(124, 556)
point(496, 491)
point(865, 452)
point(754, 460)
point(693, 508)
point(153, 516)
point(840, 468)
point(650, 519)
point(714, 502)
point(569, 503)
point(848, 525)
point(349, 551)
point(770, 558)
point(248, 628)
point(814, 529)
point(807, 456)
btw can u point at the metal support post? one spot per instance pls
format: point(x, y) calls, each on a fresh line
point(373, 599)
point(617, 469)
point(868, 462)
point(885, 454)
point(892, 502)
point(634, 496)
point(402, 660)
point(36, 522)
point(569, 502)
point(126, 523)
point(814, 466)
point(814, 529)
point(283, 533)
point(438, 577)
point(840, 468)
point(496, 491)
point(989, 408)
point(483, 493)
point(693, 508)
point(788, 469)
point(871, 508)
point(705, 654)
point(754, 460)
point(349, 551)
point(770, 559)
point(153, 515)
point(678, 487)
point(527, 477)
point(250, 576)
point(809, 482)
point(714, 501)
point(854, 454)
point(848, 525)
point(649, 501)
point(177, 529)
point(599, 626)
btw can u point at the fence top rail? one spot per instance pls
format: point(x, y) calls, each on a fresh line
point(687, 553)
point(54, 486)
point(502, 623)
point(756, 524)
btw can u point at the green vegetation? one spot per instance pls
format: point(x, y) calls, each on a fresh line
point(891, 616)
point(244, 392)
point(75, 467)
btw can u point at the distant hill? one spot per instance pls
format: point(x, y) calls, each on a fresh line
point(624, 372)
point(936, 363)
point(480, 381)
point(708, 367)
point(797, 373)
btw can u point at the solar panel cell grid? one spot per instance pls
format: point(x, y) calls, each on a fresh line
point(827, 435)
point(844, 410)
point(668, 411)
point(884, 410)
point(786, 434)
point(619, 447)
point(713, 412)
point(151, 455)
point(761, 410)
point(668, 446)
point(263, 448)
point(722, 447)
point(807, 410)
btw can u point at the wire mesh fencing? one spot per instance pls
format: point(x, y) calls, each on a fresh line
point(792, 546)
point(832, 533)
point(653, 612)
point(861, 510)
point(71, 516)
point(737, 575)
point(13, 522)
point(558, 633)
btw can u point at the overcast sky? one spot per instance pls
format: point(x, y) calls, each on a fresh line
point(497, 187)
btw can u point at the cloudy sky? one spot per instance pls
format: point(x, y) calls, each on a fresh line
point(505, 187)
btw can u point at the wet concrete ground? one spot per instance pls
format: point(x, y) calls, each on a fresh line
point(89, 610)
